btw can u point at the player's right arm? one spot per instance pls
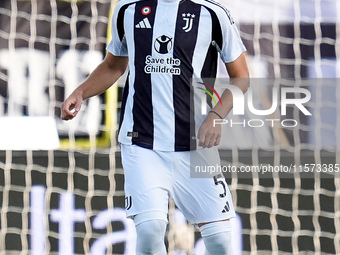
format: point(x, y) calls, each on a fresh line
point(103, 77)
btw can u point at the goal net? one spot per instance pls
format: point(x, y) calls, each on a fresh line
point(282, 169)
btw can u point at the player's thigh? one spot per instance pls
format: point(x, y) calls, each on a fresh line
point(146, 180)
point(204, 199)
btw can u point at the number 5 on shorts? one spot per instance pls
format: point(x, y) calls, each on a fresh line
point(217, 180)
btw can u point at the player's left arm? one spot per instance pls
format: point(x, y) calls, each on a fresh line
point(208, 134)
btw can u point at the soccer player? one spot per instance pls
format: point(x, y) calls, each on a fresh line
point(164, 44)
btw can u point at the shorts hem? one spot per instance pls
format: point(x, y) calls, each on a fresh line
point(208, 220)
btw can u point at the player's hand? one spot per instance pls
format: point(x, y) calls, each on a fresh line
point(208, 135)
point(71, 106)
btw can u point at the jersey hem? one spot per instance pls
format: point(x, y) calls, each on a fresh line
point(150, 146)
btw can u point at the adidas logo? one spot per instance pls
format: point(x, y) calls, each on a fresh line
point(144, 24)
point(226, 208)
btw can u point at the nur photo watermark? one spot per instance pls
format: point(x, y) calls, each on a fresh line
point(274, 117)
point(247, 100)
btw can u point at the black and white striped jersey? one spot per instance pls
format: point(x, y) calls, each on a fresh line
point(168, 42)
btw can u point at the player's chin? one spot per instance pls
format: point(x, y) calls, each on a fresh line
point(207, 146)
point(68, 117)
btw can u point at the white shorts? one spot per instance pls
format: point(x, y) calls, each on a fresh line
point(151, 177)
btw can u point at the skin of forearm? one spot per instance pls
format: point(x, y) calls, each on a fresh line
point(239, 75)
point(103, 77)
point(227, 97)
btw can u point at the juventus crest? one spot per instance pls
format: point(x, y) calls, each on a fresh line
point(188, 18)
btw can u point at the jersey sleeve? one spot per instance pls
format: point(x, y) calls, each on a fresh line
point(232, 45)
point(117, 45)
